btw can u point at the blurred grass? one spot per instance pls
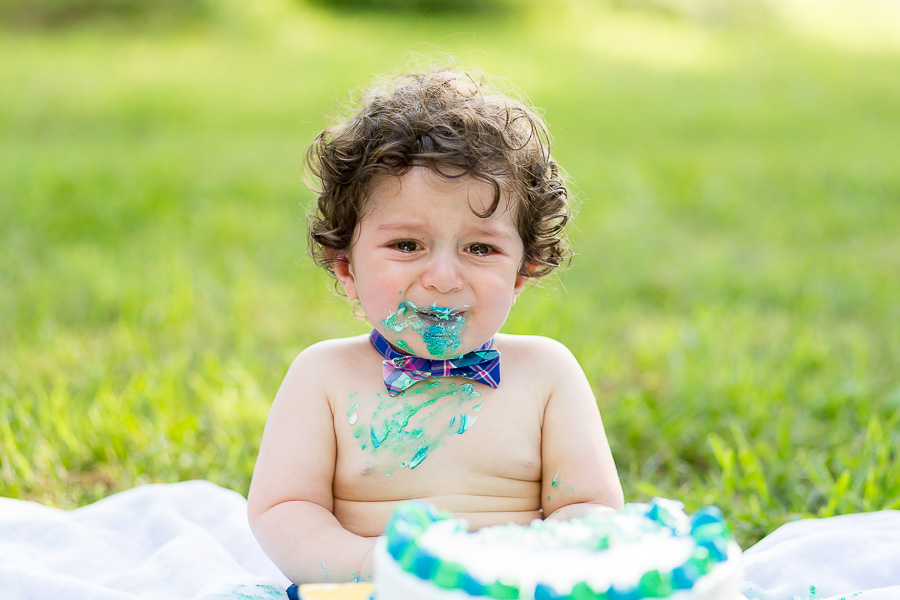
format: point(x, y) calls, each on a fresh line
point(63, 13)
point(734, 299)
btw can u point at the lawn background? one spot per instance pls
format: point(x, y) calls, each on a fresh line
point(735, 298)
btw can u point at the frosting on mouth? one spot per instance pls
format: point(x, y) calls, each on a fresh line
point(440, 327)
point(439, 316)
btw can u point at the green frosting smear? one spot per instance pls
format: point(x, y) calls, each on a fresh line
point(409, 427)
point(439, 327)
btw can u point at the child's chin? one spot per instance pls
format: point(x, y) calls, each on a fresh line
point(423, 350)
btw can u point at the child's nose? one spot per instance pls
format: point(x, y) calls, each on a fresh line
point(442, 273)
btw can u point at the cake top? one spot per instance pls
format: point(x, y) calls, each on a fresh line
point(647, 549)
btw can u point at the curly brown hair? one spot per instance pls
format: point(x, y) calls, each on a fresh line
point(453, 123)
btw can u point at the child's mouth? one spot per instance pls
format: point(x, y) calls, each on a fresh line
point(438, 316)
point(439, 327)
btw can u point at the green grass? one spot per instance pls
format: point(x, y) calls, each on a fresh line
point(735, 299)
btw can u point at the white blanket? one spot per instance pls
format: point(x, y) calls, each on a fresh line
point(191, 540)
point(851, 557)
point(183, 540)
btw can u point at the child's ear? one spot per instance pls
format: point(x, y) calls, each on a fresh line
point(521, 280)
point(343, 270)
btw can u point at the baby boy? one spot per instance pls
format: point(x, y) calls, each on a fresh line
point(437, 202)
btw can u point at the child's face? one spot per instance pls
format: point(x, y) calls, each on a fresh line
point(433, 277)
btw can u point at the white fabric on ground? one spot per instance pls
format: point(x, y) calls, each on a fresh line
point(851, 557)
point(191, 540)
point(172, 541)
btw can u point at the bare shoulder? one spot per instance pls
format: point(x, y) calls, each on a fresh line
point(337, 349)
point(320, 361)
point(534, 349)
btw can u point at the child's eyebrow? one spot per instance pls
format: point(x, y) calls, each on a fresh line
point(401, 229)
point(496, 232)
point(400, 225)
point(487, 229)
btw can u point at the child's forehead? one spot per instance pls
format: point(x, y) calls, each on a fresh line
point(447, 178)
point(450, 181)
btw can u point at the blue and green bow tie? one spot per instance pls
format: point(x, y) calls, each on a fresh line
point(402, 370)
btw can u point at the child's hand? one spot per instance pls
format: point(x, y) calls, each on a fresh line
point(577, 511)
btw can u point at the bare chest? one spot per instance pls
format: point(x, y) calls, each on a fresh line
point(445, 436)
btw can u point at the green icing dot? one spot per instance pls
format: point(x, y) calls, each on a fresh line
point(408, 557)
point(501, 591)
point(421, 515)
point(711, 531)
point(655, 585)
point(582, 591)
point(702, 560)
point(667, 517)
point(448, 575)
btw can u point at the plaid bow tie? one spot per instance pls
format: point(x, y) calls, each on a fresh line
point(403, 370)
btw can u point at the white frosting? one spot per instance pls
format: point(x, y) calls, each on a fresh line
point(558, 553)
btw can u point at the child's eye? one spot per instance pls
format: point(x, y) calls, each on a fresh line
point(406, 246)
point(480, 249)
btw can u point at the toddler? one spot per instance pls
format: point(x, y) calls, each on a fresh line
point(438, 201)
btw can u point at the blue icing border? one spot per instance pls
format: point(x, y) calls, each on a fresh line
point(706, 526)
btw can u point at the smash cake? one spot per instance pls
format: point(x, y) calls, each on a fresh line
point(644, 550)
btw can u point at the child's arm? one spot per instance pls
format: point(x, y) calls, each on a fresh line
point(578, 471)
point(290, 502)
